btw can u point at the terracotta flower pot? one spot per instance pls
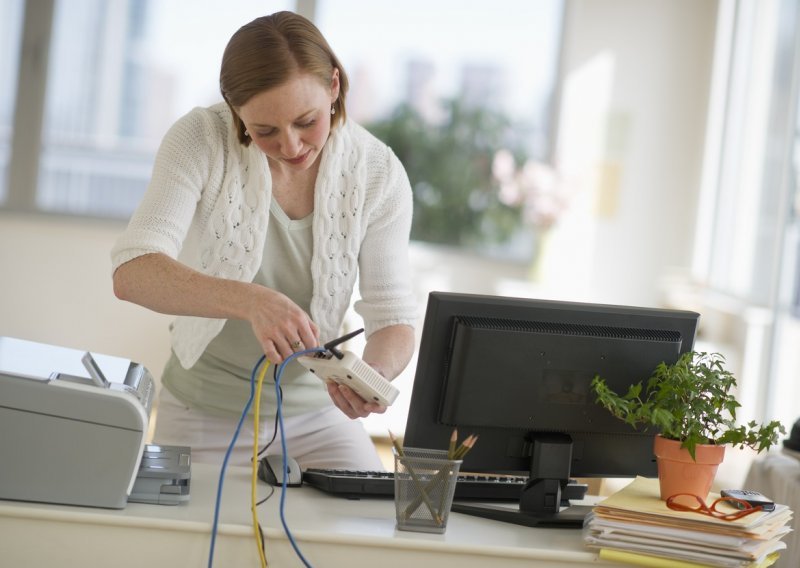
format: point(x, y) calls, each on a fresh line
point(678, 473)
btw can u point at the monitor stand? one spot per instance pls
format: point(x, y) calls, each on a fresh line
point(563, 516)
point(544, 501)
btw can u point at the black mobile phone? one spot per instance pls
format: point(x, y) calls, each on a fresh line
point(753, 497)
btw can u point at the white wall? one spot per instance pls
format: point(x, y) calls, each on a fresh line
point(637, 77)
point(56, 288)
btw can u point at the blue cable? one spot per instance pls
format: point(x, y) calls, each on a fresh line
point(227, 457)
point(283, 449)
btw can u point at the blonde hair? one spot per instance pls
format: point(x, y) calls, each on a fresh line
point(267, 52)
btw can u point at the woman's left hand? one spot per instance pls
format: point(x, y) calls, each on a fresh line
point(387, 351)
point(348, 401)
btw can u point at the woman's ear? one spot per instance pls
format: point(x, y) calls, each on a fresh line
point(335, 85)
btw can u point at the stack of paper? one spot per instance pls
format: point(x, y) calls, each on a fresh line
point(635, 526)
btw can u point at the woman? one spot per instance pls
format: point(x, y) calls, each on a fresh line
point(261, 213)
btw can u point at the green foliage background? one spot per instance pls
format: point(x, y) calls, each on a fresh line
point(449, 165)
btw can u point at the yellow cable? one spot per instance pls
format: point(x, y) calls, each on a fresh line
point(254, 477)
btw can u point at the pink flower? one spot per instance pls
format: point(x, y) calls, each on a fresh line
point(537, 188)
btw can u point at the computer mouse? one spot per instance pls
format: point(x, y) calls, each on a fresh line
point(270, 470)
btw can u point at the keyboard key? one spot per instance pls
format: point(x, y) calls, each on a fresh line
point(357, 484)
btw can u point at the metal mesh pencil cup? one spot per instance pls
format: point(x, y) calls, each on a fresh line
point(424, 484)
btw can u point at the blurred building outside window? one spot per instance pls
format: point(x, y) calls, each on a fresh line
point(119, 73)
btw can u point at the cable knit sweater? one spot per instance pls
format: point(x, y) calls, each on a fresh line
point(207, 205)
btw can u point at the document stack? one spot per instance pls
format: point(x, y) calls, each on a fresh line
point(635, 526)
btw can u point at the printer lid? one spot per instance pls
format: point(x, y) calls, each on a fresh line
point(51, 380)
point(42, 361)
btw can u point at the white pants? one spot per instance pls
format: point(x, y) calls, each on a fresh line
point(325, 438)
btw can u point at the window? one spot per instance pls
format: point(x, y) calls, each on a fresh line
point(119, 73)
point(748, 245)
point(784, 391)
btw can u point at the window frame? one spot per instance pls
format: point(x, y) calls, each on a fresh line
point(26, 134)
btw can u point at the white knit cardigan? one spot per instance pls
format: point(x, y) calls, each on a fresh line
point(207, 204)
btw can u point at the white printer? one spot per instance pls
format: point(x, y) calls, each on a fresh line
point(73, 427)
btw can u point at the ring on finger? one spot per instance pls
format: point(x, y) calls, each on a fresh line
point(296, 345)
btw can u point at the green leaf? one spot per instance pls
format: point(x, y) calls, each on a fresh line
point(690, 400)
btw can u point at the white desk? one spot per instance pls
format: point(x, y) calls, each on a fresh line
point(330, 531)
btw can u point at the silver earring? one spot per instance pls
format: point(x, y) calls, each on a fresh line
point(333, 109)
point(246, 133)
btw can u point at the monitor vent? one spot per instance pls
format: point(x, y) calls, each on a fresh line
point(585, 330)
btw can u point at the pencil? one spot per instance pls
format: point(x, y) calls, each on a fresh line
point(451, 451)
point(399, 449)
point(442, 477)
point(465, 447)
point(470, 446)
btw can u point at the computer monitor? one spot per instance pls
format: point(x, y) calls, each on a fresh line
point(517, 373)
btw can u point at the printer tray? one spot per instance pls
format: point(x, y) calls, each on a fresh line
point(164, 475)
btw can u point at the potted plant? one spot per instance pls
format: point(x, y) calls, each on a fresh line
point(691, 404)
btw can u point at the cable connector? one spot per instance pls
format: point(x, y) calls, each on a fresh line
point(331, 345)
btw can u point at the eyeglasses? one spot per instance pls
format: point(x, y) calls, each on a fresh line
point(678, 502)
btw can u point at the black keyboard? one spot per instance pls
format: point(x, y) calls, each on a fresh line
point(358, 484)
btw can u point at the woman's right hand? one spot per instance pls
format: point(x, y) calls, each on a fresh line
point(281, 326)
point(165, 285)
